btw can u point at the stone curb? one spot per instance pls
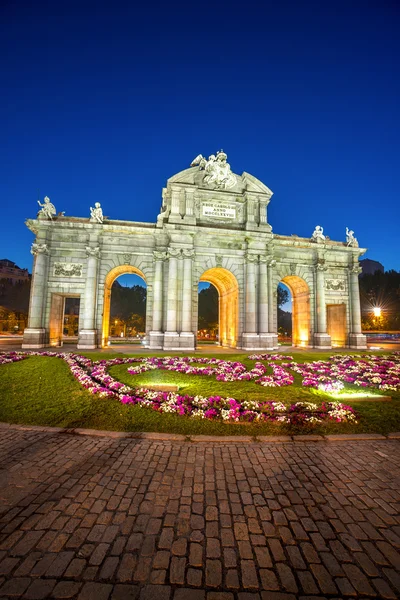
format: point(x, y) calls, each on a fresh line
point(245, 439)
point(336, 437)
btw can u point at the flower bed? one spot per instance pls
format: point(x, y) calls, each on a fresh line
point(382, 372)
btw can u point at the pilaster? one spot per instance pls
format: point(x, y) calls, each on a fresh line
point(321, 337)
point(156, 336)
point(356, 337)
point(87, 337)
point(35, 333)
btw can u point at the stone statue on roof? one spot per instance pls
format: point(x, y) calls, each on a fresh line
point(318, 235)
point(350, 239)
point(96, 213)
point(47, 209)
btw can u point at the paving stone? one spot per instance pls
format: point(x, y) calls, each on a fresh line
point(358, 580)
point(307, 582)
point(177, 570)
point(40, 588)
point(125, 592)
point(213, 573)
point(194, 577)
point(232, 579)
point(249, 574)
point(323, 578)
point(189, 594)
point(269, 580)
point(383, 589)
point(287, 578)
point(15, 587)
point(95, 591)
point(251, 520)
point(66, 589)
point(345, 587)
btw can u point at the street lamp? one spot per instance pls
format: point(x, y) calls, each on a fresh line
point(377, 311)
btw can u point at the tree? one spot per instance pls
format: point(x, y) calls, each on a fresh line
point(127, 300)
point(208, 307)
point(283, 295)
point(380, 290)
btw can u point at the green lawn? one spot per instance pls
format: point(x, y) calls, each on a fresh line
point(42, 391)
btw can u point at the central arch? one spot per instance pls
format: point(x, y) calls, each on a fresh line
point(228, 293)
point(108, 283)
point(301, 321)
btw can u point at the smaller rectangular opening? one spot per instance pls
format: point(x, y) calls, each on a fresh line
point(336, 324)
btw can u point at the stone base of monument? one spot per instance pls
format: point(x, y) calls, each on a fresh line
point(263, 341)
point(87, 339)
point(268, 341)
point(156, 340)
point(171, 341)
point(322, 340)
point(186, 341)
point(358, 340)
point(34, 338)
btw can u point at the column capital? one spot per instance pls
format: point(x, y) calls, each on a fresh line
point(39, 249)
point(320, 266)
point(188, 253)
point(272, 263)
point(174, 253)
point(251, 258)
point(355, 269)
point(159, 255)
point(263, 259)
point(93, 251)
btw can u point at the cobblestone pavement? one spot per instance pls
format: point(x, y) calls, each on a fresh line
point(95, 518)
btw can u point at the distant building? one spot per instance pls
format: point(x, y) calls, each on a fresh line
point(369, 267)
point(11, 273)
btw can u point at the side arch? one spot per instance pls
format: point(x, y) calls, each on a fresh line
point(301, 309)
point(108, 283)
point(228, 292)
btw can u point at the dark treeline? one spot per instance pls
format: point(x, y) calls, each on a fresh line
point(380, 290)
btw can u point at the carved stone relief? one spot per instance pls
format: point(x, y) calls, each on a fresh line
point(68, 269)
point(336, 285)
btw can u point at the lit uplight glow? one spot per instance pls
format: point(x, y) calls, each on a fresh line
point(332, 387)
point(355, 396)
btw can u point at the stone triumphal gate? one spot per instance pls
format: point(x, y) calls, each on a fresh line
point(212, 227)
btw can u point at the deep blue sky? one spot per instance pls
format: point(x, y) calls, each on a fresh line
point(105, 101)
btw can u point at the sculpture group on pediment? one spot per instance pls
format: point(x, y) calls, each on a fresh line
point(218, 172)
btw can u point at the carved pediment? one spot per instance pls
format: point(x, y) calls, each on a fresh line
point(254, 185)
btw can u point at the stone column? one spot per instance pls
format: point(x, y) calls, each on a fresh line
point(356, 338)
point(35, 333)
point(156, 335)
point(268, 337)
point(268, 340)
point(187, 336)
point(250, 335)
point(87, 338)
point(271, 265)
point(321, 337)
point(171, 336)
point(263, 296)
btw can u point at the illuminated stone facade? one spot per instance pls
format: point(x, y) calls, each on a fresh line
point(212, 227)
